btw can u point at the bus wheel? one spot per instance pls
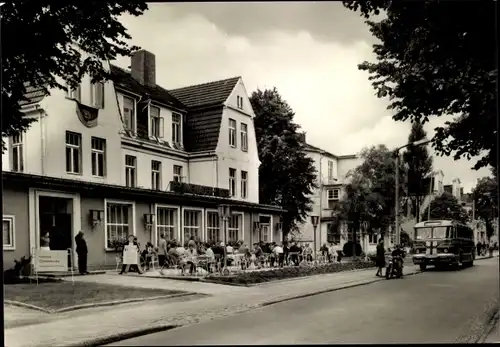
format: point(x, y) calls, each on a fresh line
point(423, 267)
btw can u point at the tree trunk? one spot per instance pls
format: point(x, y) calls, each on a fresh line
point(417, 208)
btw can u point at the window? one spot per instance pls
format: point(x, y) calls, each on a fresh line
point(265, 233)
point(373, 238)
point(97, 95)
point(213, 228)
point(239, 102)
point(244, 137)
point(244, 184)
point(192, 224)
point(73, 152)
point(232, 182)
point(8, 232)
point(176, 128)
point(129, 113)
point(155, 175)
point(74, 93)
point(333, 196)
point(330, 170)
point(156, 122)
point(177, 173)
point(233, 228)
point(117, 223)
point(166, 223)
point(130, 168)
point(332, 232)
point(98, 156)
point(17, 152)
point(232, 132)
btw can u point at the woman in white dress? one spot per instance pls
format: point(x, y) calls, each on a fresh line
point(44, 242)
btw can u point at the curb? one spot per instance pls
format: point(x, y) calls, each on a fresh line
point(100, 341)
point(99, 304)
point(178, 278)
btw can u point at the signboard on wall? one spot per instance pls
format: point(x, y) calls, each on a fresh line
point(51, 261)
point(130, 255)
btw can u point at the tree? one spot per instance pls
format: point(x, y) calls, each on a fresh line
point(370, 195)
point(432, 61)
point(485, 197)
point(286, 175)
point(419, 164)
point(446, 206)
point(44, 50)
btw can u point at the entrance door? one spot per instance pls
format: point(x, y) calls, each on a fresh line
point(265, 233)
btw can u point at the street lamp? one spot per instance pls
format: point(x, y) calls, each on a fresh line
point(315, 221)
point(396, 206)
point(225, 213)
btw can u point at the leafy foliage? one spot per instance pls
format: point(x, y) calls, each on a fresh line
point(419, 164)
point(54, 35)
point(446, 206)
point(370, 195)
point(432, 61)
point(485, 196)
point(286, 175)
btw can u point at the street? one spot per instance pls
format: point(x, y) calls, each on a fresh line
point(442, 307)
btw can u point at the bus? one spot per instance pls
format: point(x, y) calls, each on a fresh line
point(443, 244)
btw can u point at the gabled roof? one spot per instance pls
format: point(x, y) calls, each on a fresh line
point(124, 79)
point(206, 94)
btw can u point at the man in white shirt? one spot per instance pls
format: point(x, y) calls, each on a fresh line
point(278, 251)
point(333, 252)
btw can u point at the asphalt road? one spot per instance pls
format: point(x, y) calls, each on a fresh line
point(431, 307)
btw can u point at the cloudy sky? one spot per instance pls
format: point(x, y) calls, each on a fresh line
point(309, 51)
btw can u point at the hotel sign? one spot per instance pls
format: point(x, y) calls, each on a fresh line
point(195, 189)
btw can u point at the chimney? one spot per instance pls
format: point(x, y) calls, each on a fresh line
point(144, 67)
point(302, 137)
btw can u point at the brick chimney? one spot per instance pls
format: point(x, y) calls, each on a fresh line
point(144, 67)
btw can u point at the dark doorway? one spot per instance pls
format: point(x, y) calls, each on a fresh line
point(56, 219)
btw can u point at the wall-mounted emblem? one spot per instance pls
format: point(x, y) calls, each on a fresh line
point(87, 115)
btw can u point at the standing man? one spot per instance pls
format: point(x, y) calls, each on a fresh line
point(162, 253)
point(81, 251)
point(380, 258)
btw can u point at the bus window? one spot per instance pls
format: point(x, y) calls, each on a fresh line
point(423, 233)
point(442, 232)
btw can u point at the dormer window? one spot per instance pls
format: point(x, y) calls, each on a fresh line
point(128, 113)
point(156, 122)
point(97, 95)
point(176, 128)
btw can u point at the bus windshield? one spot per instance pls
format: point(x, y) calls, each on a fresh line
point(433, 233)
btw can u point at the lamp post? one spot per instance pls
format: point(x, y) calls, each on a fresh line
point(315, 221)
point(396, 203)
point(225, 213)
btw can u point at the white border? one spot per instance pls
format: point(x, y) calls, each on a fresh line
point(34, 215)
point(206, 227)
point(118, 202)
point(242, 215)
point(12, 231)
point(178, 221)
point(271, 227)
point(202, 226)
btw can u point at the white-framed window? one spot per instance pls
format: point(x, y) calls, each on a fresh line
point(232, 182)
point(17, 152)
point(129, 113)
point(130, 171)
point(177, 173)
point(213, 226)
point(73, 152)
point(8, 229)
point(166, 223)
point(232, 132)
point(333, 197)
point(157, 125)
point(244, 137)
point(239, 102)
point(98, 156)
point(192, 224)
point(330, 170)
point(97, 95)
point(155, 175)
point(373, 238)
point(266, 232)
point(74, 93)
point(244, 184)
point(234, 228)
point(176, 128)
point(118, 222)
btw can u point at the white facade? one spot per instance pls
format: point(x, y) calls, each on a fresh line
point(45, 149)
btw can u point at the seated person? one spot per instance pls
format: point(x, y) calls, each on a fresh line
point(189, 259)
point(147, 255)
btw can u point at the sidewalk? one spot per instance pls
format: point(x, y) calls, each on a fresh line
point(88, 327)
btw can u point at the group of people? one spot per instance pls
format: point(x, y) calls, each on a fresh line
point(397, 253)
point(484, 248)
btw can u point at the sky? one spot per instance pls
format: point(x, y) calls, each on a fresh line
point(309, 51)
